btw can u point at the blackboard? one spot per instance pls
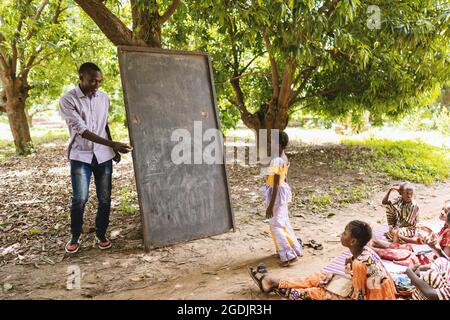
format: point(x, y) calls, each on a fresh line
point(166, 90)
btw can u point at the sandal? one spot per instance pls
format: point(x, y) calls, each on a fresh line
point(313, 244)
point(258, 281)
point(261, 268)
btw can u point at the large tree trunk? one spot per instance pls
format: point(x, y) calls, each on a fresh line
point(29, 118)
point(19, 126)
point(147, 22)
point(109, 24)
point(267, 118)
point(16, 93)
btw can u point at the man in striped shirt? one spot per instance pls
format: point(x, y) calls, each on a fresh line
point(402, 213)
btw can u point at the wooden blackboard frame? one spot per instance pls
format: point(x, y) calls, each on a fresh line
point(121, 51)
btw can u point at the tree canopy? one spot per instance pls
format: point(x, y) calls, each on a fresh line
point(271, 59)
point(323, 57)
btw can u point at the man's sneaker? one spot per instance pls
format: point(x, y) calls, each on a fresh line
point(73, 246)
point(103, 243)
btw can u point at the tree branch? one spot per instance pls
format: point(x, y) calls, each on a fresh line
point(286, 83)
point(307, 74)
point(251, 61)
point(41, 8)
point(114, 29)
point(15, 54)
point(31, 64)
point(37, 15)
point(235, 80)
point(273, 64)
point(330, 5)
point(169, 11)
point(337, 53)
point(320, 93)
point(249, 74)
point(3, 63)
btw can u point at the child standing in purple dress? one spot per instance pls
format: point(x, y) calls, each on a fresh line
point(277, 195)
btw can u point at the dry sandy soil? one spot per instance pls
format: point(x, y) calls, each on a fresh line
point(34, 228)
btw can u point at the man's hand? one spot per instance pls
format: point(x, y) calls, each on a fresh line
point(269, 212)
point(121, 147)
point(117, 158)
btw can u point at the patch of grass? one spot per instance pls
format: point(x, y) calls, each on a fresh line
point(127, 204)
point(39, 136)
point(52, 136)
point(119, 132)
point(405, 160)
point(320, 200)
point(355, 194)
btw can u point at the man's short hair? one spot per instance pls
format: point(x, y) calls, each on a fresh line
point(88, 67)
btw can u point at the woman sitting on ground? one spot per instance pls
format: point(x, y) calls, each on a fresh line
point(369, 278)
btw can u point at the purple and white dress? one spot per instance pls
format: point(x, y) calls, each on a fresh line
point(283, 235)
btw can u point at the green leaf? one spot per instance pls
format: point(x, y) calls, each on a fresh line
point(7, 286)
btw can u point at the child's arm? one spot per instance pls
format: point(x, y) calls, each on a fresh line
point(276, 183)
point(441, 252)
point(414, 240)
point(386, 197)
point(424, 287)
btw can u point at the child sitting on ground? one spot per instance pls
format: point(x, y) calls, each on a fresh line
point(403, 253)
point(432, 282)
point(368, 278)
point(277, 195)
point(402, 213)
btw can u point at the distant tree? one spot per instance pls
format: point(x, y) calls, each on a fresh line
point(30, 34)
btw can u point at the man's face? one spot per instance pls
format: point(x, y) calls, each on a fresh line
point(90, 81)
point(407, 195)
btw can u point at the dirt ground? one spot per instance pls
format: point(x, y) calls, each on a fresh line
point(34, 228)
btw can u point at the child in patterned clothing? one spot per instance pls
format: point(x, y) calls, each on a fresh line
point(432, 282)
point(277, 195)
point(402, 213)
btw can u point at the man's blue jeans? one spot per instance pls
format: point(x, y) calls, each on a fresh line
point(81, 176)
